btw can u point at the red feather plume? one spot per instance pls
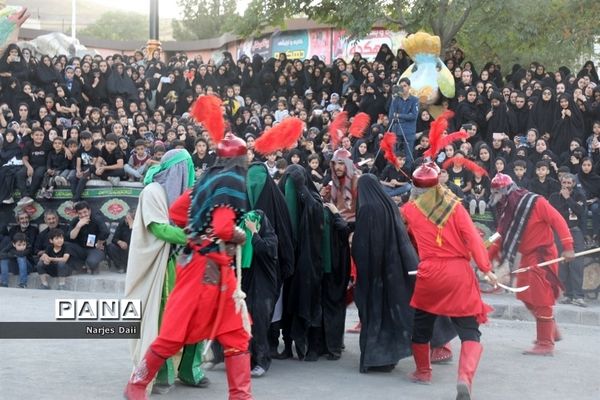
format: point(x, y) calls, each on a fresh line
point(359, 124)
point(466, 163)
point(282, 136)
point(337, 129)
point(207, 111)
point(436, 131)
point(388, 144)
point(452, 137)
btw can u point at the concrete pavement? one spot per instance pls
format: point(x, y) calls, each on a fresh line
point(98, 369)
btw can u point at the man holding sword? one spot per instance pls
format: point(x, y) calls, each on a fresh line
point(527, 223)
point(446, 240)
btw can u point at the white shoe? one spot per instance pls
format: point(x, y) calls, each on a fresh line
point(114, 180)
point(257, 372)
point(482, 207)
point(10, 200)
point(472, 207)
point(25, 201)
point(61, 181)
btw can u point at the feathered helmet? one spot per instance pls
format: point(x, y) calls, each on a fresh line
point(209, 112)
point(427, 174)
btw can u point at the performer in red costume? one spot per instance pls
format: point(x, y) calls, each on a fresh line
point(202, 304)
point(526, 223)
point(446, 284)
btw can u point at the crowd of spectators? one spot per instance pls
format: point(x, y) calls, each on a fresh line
point(65, 121)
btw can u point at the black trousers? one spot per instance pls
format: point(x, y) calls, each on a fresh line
point(36, 181)
point(118, 256)
point(466, 327)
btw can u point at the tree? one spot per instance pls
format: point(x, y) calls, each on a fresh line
point(203, 19)
point(117, 25)
point(554, 32)
point(498, 33)
point(440, 17)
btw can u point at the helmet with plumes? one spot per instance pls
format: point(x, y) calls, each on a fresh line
point(426, 175)
point(231, 146)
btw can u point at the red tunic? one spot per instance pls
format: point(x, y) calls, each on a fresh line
point(537, 245)
point(191, 310)
point(446, 283)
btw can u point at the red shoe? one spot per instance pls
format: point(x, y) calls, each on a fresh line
point(356, 329)
point(441, 355)
point(544, 345)
point(237, 366)
point(470, 354)
point(142, 376)
point(422, 374)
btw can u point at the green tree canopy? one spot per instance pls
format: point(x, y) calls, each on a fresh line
point(117, 25)
point(553, 32)
point(203, 19)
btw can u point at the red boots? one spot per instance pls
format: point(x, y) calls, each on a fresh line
point(422, 374)
point(546, 333)
point(470, 353)
point(237, 366)
point(143, 375)
point(442, 354)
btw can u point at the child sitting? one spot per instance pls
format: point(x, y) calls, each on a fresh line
point(480, 192)
point(110, 163)
point(395, 179)
point(57, 168)
point(85, 165)
point(54, 260)
point(17, 251)
point(138, 161)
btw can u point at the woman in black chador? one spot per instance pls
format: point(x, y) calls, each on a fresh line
point(384, 255)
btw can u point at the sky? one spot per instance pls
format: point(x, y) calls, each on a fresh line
point(167, 8)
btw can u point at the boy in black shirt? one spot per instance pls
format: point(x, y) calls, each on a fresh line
point(394, 178)
point(543, 184)
point(110, 164)
point(520, 174)
point(54, 260)
point(35, 156)
point(17, 251)
point(460, 176)
point(57, 168)
point(85, 165)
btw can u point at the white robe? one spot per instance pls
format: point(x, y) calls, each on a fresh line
point(147, 265)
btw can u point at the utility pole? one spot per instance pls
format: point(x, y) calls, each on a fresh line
point(153, 43)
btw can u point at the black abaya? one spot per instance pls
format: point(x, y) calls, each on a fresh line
point(383, 255)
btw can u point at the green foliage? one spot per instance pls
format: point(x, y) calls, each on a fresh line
point(203, 19)
point(117, 25)
point(553, 32)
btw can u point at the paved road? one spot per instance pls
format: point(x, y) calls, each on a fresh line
point(98, 369)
